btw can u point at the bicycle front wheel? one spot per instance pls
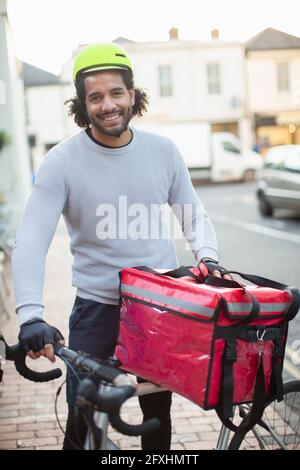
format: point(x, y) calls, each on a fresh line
point(279, 428)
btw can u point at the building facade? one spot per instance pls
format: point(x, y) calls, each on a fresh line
point(251, 89)
point(46, 117)
point(273, 84)
point(190, 81)
point(15, 175)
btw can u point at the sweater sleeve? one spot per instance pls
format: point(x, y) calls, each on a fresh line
point(194, 220)
point(45, 205)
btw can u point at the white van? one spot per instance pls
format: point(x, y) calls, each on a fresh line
point(218, 156)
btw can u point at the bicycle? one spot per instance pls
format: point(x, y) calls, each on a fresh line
point(279, 427)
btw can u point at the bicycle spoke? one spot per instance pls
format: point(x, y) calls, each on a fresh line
point(280, 424)
point(297, 433)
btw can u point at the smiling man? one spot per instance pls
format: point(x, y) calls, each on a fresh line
point(102, 167)
point(109, 107)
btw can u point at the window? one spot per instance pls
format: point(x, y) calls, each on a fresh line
point(283, 78)
point(230, 147)
point(274, 158)
point(213, 79)
point(165, 80)
point(292, 160)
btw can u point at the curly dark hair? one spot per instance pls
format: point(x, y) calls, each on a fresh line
point(77, 108)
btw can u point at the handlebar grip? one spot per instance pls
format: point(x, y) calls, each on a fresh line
point(18, 355)
point(133, 429)
point(106, 402)
point(110, 403)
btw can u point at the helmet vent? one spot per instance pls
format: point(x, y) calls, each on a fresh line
point(120, 55)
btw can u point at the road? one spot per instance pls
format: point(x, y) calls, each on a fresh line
point(253, 244)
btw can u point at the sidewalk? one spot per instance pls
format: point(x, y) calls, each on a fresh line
point(27, 416)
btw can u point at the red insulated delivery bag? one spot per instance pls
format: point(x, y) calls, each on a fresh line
point(215, 341)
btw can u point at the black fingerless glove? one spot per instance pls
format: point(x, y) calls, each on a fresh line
point(213, 265)
point(34, 334)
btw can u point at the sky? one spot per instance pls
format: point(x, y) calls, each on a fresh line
point(46, 32)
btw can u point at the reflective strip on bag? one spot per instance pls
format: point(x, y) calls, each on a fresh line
point(235, 307)
point(165, 299)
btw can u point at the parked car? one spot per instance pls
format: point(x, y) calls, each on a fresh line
point(279, 180)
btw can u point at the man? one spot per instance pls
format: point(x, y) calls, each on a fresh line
point(100, 168)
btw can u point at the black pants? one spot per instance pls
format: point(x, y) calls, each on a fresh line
point(94, 329)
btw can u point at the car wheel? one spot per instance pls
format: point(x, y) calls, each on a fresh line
point(264, 207)
point(249, 175)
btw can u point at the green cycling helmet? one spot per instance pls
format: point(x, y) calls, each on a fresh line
point(101, 56)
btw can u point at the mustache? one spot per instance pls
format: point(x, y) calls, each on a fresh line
point(103, 115)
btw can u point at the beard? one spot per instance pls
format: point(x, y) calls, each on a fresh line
point(112, 130)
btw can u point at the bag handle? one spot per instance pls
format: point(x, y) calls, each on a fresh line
point(265, 282)
point(220, 282)
point(183, 271)
point(262, 282)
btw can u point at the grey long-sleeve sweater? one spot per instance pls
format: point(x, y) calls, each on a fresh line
point(111, 201)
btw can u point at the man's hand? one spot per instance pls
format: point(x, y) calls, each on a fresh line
point(37, 338)
point(215, 269)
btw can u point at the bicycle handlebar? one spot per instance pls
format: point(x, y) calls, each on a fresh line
point(83, 362)
point(87, 393)
point(108, 402)
point(111, 403)
point(18, 355)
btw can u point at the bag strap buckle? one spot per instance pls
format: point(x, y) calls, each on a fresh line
point(260, 335)
point(260, 341)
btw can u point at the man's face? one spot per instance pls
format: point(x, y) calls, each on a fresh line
point(108, 102)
